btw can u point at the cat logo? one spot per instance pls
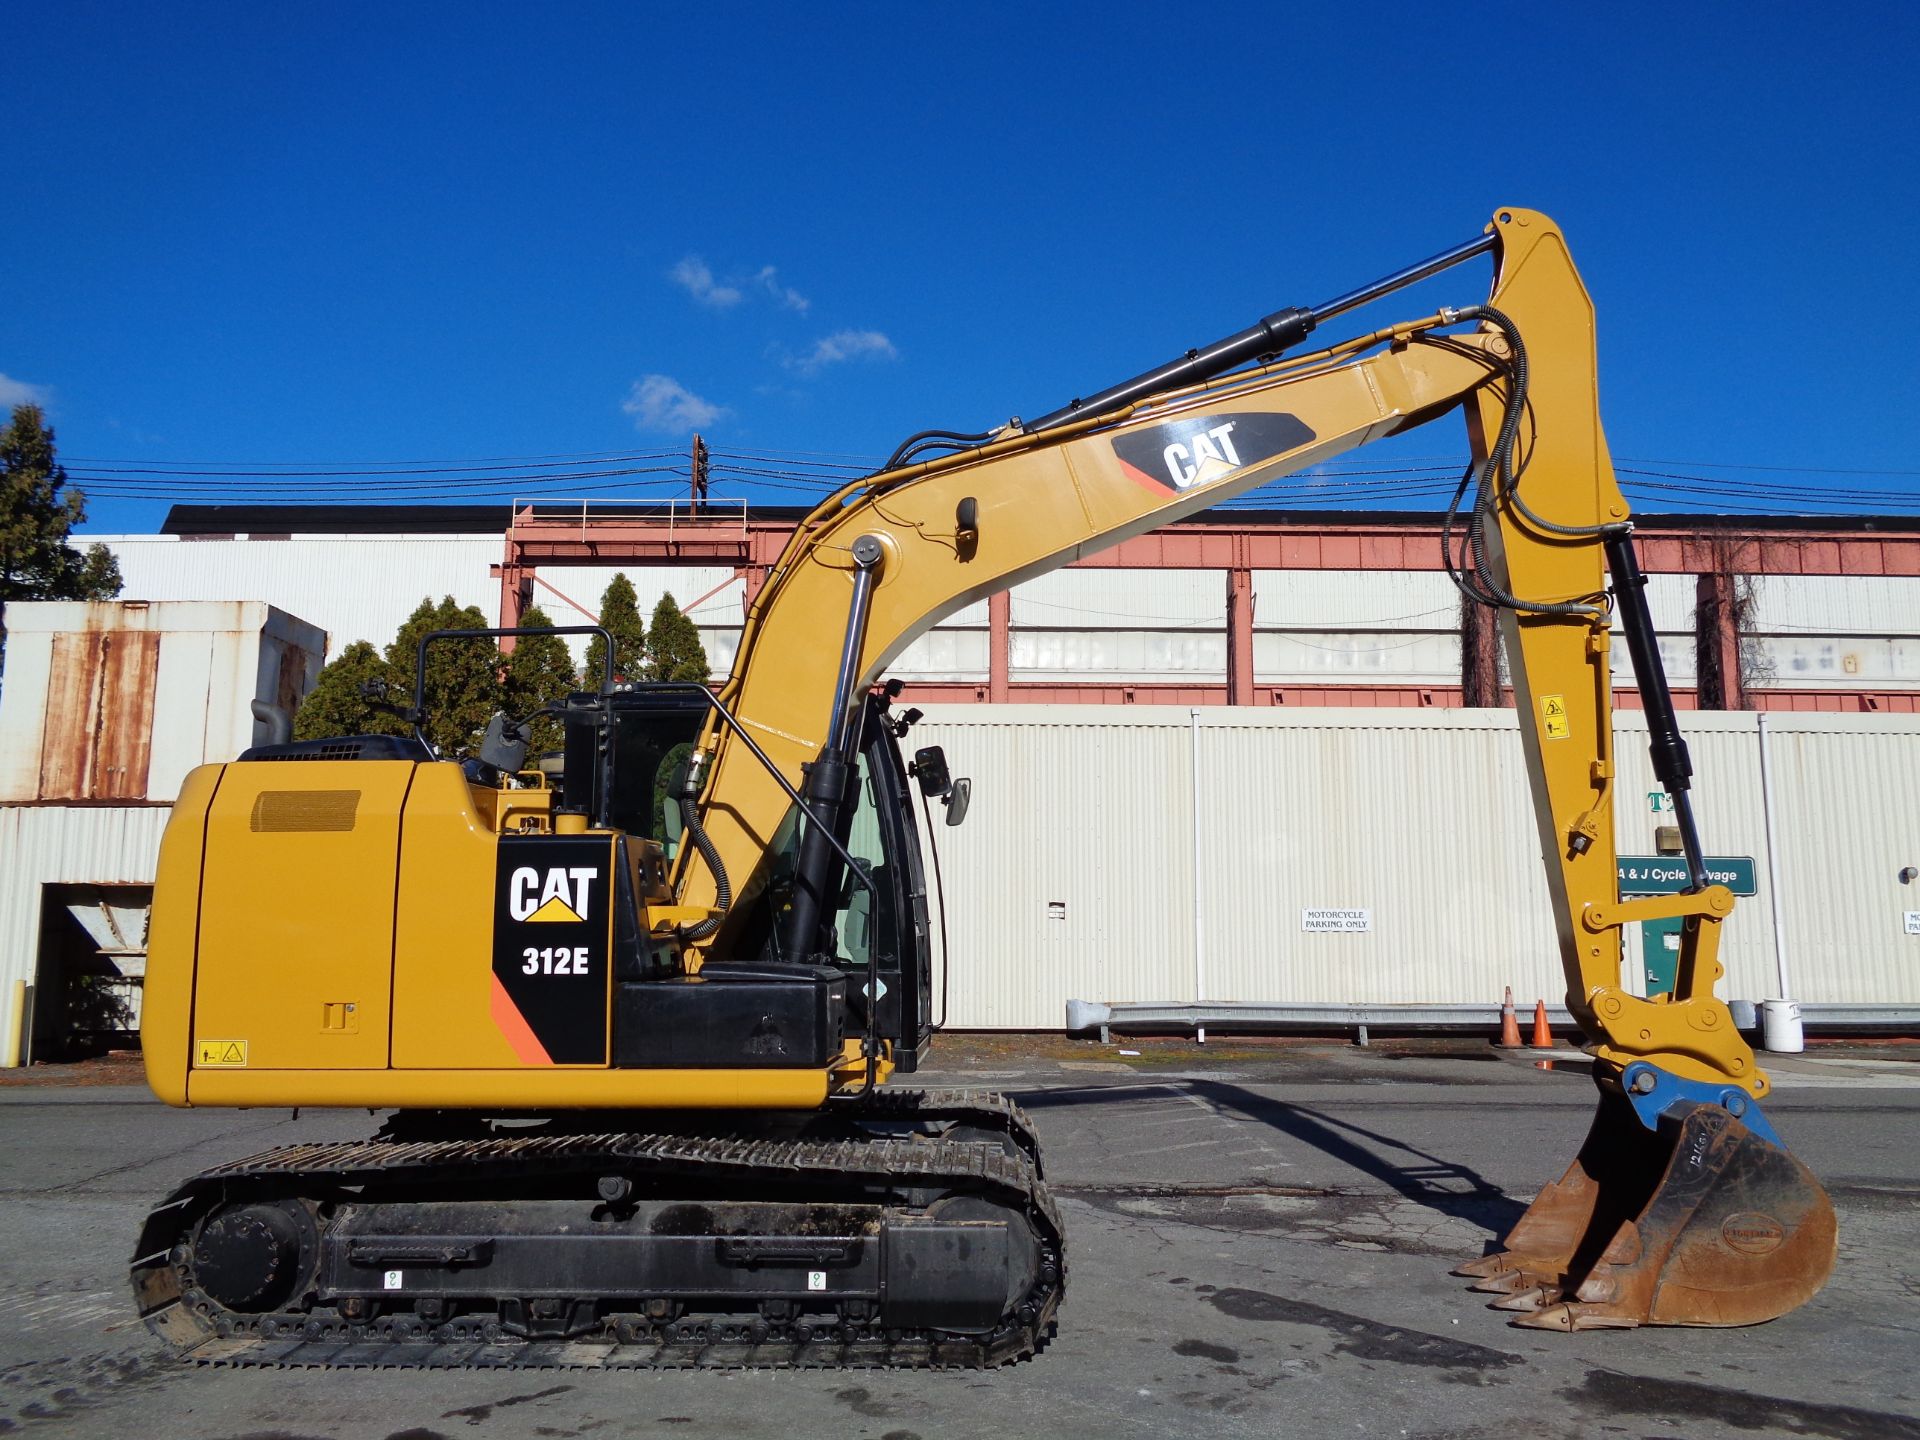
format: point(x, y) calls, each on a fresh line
point(1179, 456)
point(1207, 456)
point(558, 895)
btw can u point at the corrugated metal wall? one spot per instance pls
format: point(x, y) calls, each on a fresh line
point(1422, 825)
point(1074, 876)
point(1847, 797)
point(1067, 881)
point(61, 845)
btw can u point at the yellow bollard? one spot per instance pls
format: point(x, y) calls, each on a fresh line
point(16, 1026)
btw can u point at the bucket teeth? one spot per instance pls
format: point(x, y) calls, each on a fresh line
point(1630, 1235)
point(1570, 1317)
point(1487, 1266)
point(1528, 1301)
point(1508, 1282)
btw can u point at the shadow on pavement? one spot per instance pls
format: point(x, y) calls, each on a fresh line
point(1452, 1189)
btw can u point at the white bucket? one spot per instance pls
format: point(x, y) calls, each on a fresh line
point(1780, 1029)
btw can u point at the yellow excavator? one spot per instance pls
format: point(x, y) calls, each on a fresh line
point(636, 1021)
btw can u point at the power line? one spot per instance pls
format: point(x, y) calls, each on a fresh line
point(558, 456)
point(1783, 469)
point(814, 474)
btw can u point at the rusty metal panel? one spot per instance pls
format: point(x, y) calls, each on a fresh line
point(118, 700)
point(99, 724)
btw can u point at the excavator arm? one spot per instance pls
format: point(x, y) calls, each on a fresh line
point(1621, 1239)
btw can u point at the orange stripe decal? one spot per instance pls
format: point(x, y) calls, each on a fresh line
point(514, 1026)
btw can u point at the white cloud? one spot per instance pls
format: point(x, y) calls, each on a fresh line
point(696, 277)
point(784, 296)
point(844, 345)
point(693, 276)
point(18, 392)
point(661, 403)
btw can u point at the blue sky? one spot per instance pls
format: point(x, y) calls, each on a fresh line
point(342, 235)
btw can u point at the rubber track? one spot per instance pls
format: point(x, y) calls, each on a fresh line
point(743, 1166)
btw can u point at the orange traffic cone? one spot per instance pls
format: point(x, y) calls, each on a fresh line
point(1542, 1032)
point(1509, 1027)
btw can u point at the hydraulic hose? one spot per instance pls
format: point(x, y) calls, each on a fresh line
point(722, 887)
point(1499, 479)
point(933, 439)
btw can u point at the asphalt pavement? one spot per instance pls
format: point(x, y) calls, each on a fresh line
point(1259, 1239)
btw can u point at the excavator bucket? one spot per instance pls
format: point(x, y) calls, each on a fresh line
point(1700, 1222)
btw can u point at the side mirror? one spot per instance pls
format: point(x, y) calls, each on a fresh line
point(958, 798)
point(503, 746)
point(930, 768)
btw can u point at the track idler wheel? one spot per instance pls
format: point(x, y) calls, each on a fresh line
point(1700, 1222)
point(255, 1257)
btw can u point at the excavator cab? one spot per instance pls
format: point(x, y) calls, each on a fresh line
point(630, 765)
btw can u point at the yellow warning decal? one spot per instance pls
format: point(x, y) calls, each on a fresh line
point(1553, 710)
point(220, 1052)
point(555, 912)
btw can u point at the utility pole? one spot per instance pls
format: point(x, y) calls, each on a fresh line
point(699, 472)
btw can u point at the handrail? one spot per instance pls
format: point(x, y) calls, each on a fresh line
point(545, 513)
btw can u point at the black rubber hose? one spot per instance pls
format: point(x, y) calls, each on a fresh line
point(1498, 478)
point(722, 888)
point(1510, 430)
point(958, 438)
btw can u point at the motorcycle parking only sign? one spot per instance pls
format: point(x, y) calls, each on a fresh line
point(1336, 922)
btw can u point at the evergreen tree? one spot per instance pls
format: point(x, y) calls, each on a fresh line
point(463, 676)
point(37, 512)
point(620, 614)
point(540, 672)
point(673, 645)
point(339, 706)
